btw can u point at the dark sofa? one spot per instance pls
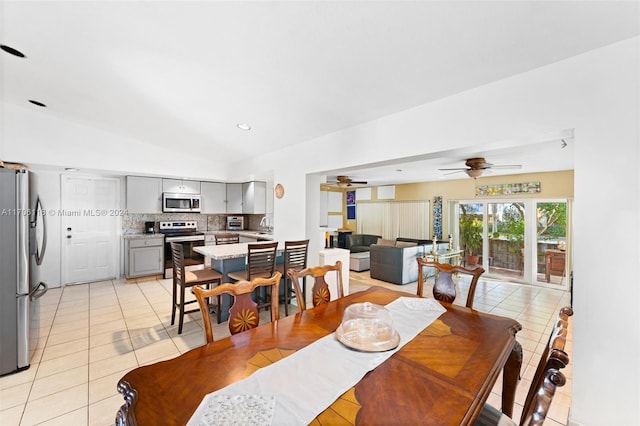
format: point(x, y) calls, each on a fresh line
point(356, 243)
point(397, 263)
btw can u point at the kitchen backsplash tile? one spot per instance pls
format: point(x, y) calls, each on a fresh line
point(134, 223)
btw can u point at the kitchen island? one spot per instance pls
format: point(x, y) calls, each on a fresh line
point(227, 258)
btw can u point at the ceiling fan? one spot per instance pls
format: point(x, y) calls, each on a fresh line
point(346, 181)
point(476, 167)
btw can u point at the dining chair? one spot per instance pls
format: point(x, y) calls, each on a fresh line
point(444, 288)
point(546, 380)
point(227, 238)
point(183, 279)
point(261, 263)
point(295, 257)
point(243, 314)
point(320, 292)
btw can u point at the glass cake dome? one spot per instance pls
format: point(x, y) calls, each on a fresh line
point(367, 327)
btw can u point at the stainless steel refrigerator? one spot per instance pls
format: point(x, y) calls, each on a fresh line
point(22, 246)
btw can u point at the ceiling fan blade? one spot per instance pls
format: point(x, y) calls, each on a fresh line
point(460, 169)
point(359, 182)
point(507, 166)
point(453, 173)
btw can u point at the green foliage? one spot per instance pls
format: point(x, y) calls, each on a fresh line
point(470, 234)
point(552, 219)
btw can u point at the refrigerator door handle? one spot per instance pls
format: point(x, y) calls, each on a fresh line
point(38, 291)
point(39, 251)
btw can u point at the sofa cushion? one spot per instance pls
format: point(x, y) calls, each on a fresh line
point(383, 242)
point(360, 242)
point(405, 244)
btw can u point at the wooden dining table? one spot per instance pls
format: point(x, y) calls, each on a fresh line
point(443, 376)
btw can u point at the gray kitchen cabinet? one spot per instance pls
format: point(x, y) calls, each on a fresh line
point(144, 257)
point(179, 186)
point(234, 198)
point(144, 194)
point(212, 197)
point(254, 197)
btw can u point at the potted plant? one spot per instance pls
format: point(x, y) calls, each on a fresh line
point(471, 238)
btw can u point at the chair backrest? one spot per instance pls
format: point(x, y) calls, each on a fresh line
point(227, 238)
point(320, 292)
point(261, 260)
point(444, 289)
point(295, 254)
point(243, 314)
point(177, 260)
point(548, 376)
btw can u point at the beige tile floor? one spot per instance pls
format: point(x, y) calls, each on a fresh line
point(92, 334)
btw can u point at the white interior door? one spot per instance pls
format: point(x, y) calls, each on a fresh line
point(89, 219)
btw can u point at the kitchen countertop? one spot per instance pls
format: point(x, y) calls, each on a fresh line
point(229, 251)
point(142, 236)
point(245, 233)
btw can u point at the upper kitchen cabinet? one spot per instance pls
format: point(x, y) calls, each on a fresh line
point(330, 202)
point(254, 197)
point(234, 198)
point(212, 197)
point(179, 186)
point(144, 194)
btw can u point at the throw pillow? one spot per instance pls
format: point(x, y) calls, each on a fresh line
point(406, 244)
point(383, 242)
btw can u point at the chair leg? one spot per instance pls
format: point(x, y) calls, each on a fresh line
point(286, 297)
point(173, 305)
point(181, 319)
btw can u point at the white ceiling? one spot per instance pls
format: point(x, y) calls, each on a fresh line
point(183, 74)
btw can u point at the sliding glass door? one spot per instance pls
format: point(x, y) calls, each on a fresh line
point(524, 240)
point(506, 238)
point(551, 242)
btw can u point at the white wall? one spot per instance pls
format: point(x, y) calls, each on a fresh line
point(595, 94)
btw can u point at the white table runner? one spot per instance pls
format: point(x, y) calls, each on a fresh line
point(294, 390)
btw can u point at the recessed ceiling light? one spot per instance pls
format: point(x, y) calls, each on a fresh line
point(12, 51)
point(40, 104)
point(243, 126)
point(71, 169)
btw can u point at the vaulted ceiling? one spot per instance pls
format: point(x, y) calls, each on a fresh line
point(184, 74)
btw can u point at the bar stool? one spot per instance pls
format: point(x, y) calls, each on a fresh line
point(261, 263)
point(183, 279)
point(227, 238)
point(295, 257)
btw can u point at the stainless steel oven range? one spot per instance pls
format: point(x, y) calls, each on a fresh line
point(185, 233)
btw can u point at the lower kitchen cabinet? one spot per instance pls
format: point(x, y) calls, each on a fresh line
point(145, 256)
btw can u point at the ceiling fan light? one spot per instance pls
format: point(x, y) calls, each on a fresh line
point(343, 184)
point(474, 173)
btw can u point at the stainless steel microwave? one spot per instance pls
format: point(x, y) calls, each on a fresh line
point(177, 203)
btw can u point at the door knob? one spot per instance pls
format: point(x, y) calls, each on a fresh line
point(68, 229)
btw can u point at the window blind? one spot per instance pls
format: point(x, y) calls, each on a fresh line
point(408, 219)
